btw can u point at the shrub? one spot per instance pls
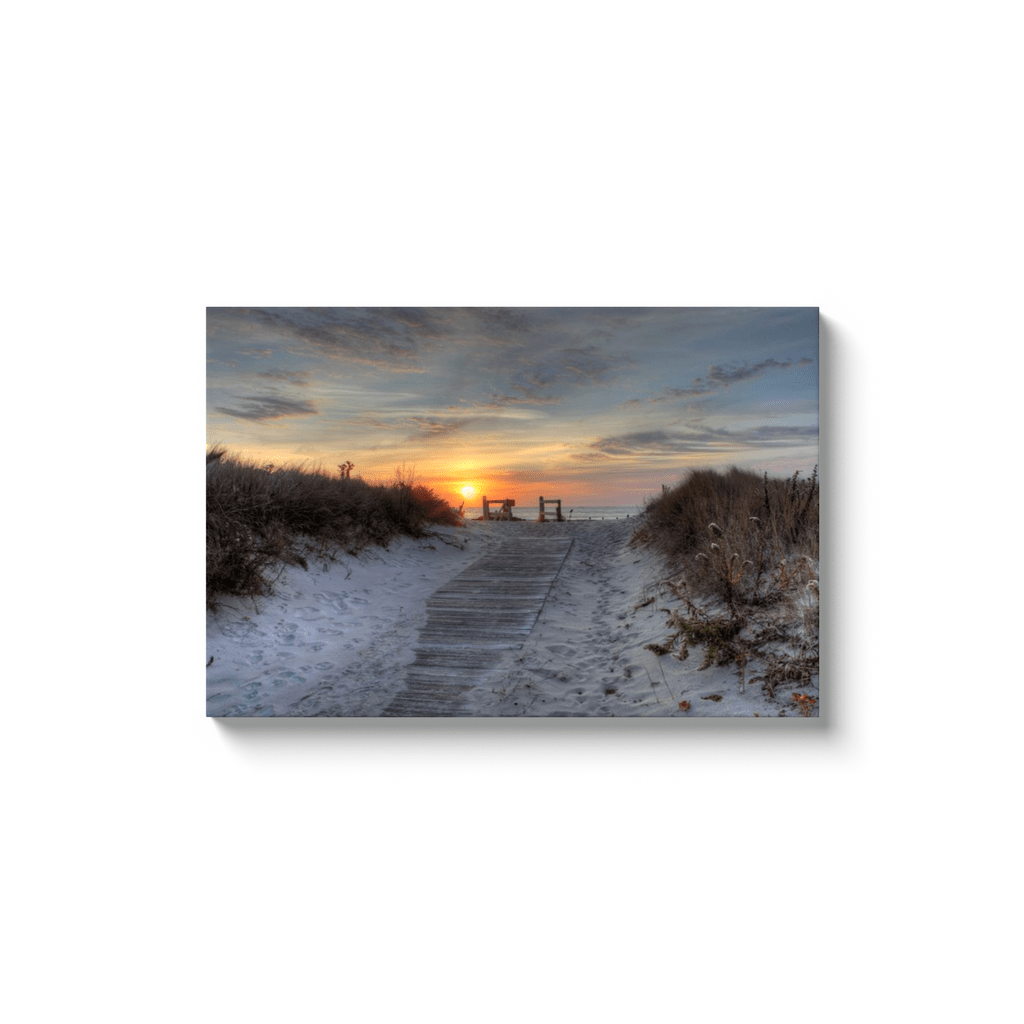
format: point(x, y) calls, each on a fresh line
point(736, 535)
point(258, 518)
point(741, 551)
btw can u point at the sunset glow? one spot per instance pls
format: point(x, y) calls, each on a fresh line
point(596, 406)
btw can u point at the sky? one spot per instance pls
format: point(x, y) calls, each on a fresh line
point(596, 406)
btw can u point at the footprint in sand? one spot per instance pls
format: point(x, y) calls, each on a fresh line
point(333, 600)
point(242, 630)
point(288, 677)
point(310, 701)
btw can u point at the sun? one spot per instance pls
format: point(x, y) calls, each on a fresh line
point(468, 492)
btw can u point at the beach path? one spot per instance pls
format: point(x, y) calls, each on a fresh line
point(490, 607)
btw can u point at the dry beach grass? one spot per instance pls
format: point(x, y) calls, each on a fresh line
point(259, 518)
point(741, 553)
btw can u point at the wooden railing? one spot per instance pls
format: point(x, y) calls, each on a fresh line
point(551, 501)
point(507, 504)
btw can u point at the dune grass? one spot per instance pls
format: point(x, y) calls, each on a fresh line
point(741, 554)
point(741, 537)
point(260, 518)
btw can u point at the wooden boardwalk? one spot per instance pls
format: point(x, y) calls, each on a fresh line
point(488, 608)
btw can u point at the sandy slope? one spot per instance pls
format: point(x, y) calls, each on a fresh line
point(336, 640)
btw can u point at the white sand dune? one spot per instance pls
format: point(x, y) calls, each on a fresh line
point(336, 640)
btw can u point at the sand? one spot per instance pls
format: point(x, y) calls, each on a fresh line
point(335, 640)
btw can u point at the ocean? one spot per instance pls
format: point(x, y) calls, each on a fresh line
point(598, 511)
point(570, 512)
point(573, 513)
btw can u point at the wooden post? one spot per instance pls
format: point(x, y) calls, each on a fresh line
point(541, 509)
point(504, 513)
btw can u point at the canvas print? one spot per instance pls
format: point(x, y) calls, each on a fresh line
point(512, 512)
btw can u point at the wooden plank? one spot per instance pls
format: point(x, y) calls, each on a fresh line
point(490, 607)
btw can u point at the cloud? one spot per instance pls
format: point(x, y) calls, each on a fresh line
point(431, 430)
point(562, 369)
point(778, 437)
point(502, 322)
point(697, 441)
point(375, 422)
point(503, 401)
point(269, 407)
point(591, 456)
point(393, 338)
point(300, 378)
point(720, 377)
point(726, 375)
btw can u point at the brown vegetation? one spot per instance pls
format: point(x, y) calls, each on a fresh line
point(741, 552)
point(259, 518)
